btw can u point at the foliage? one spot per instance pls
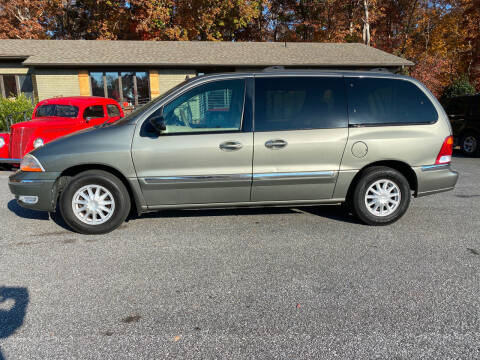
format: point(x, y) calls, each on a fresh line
point(23, 19)
point(14, 109)
point(441, 36)
point(458, 87)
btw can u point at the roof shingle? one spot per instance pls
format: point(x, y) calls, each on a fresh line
point(195, 53)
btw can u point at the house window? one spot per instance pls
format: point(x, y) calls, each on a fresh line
point(131, 87)
point(14, 85)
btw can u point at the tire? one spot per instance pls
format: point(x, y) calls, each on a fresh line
point(469, 144)
point(109, 202)
point(386, 211)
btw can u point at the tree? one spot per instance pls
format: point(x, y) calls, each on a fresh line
point(192, 19)
point(23, 19)
point(459, 87)
point(88, 19)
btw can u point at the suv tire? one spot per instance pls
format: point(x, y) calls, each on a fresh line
point(469, 144)
point(381, 196)
point(94, 202)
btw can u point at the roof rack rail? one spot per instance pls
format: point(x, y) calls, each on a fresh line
point(274, 68)
point(380, 70)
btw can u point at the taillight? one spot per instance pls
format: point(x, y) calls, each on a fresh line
point(445, 154)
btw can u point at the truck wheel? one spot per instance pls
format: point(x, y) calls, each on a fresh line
point(381, 196)
point(94, 202)
point(469, 143)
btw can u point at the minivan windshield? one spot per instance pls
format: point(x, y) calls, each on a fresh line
point(55, 110)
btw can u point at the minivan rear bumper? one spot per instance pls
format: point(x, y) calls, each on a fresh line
point(433, 179)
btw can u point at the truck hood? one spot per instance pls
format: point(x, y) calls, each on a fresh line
point(44, 122)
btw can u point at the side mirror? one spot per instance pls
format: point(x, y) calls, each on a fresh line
point(88, 118)
point(158, 123)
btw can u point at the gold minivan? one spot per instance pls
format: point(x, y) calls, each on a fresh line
point(370, 140)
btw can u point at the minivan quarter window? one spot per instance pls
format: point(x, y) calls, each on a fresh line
point(381, 101)
point(297, 103)
point(212, 107)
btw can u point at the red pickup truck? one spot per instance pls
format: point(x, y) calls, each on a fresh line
point(53, 118)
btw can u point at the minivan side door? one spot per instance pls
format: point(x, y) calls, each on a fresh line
point(301, 128)
point(205, 154)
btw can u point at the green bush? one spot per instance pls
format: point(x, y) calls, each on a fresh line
point(14, 108)
point(459, 87)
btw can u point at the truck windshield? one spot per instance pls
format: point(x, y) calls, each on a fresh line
point(69, 111)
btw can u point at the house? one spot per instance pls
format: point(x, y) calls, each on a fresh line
point(134, 72)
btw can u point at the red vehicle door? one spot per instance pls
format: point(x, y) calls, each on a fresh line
point(94, 115)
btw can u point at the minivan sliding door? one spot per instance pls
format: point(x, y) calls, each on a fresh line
point(301, 129)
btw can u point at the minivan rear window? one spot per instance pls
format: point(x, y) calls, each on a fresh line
point(296, 103)
point(388, 101)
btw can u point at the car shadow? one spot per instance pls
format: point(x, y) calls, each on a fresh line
point(13, 307)
point(458, 154)
point(36, 215)
point(214, 212)
point(26, 213)
point(333, 212)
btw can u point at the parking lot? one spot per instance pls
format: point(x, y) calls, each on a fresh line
point(252, 283)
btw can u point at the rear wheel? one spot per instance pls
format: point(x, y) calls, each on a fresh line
point(381, 196)
point(94, 202)
point(469, 144)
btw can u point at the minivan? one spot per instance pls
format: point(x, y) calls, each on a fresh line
point(369, 140)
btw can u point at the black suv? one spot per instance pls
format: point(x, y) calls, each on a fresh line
point(464, 114)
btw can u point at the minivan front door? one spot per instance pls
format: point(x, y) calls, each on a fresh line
point(203, 156)
point(301, 128)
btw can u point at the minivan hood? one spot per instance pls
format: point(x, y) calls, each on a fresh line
point(108, 146)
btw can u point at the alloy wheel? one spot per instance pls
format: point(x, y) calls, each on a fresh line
point(383, 197)
point(93, 204)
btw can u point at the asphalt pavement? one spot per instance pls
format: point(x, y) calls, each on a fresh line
point(275, 283)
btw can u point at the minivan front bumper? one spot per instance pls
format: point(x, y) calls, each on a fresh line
point(434, 179)
point(34, 184)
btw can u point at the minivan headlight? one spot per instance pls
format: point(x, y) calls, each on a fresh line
point(2, 142)
point(37, 143)
point(30, 163)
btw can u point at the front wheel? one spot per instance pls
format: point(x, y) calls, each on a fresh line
point(381, 196)
point(95, 202)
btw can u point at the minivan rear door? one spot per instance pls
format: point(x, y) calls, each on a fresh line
point(301, 128)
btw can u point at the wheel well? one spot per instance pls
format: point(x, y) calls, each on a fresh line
point(400, 166)
point(67, 174)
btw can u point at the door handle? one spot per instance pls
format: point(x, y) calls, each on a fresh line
point(276, 144)
point(230, 146)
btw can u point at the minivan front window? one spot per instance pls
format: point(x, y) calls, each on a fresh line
point(55, 110)
point(215, 106)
